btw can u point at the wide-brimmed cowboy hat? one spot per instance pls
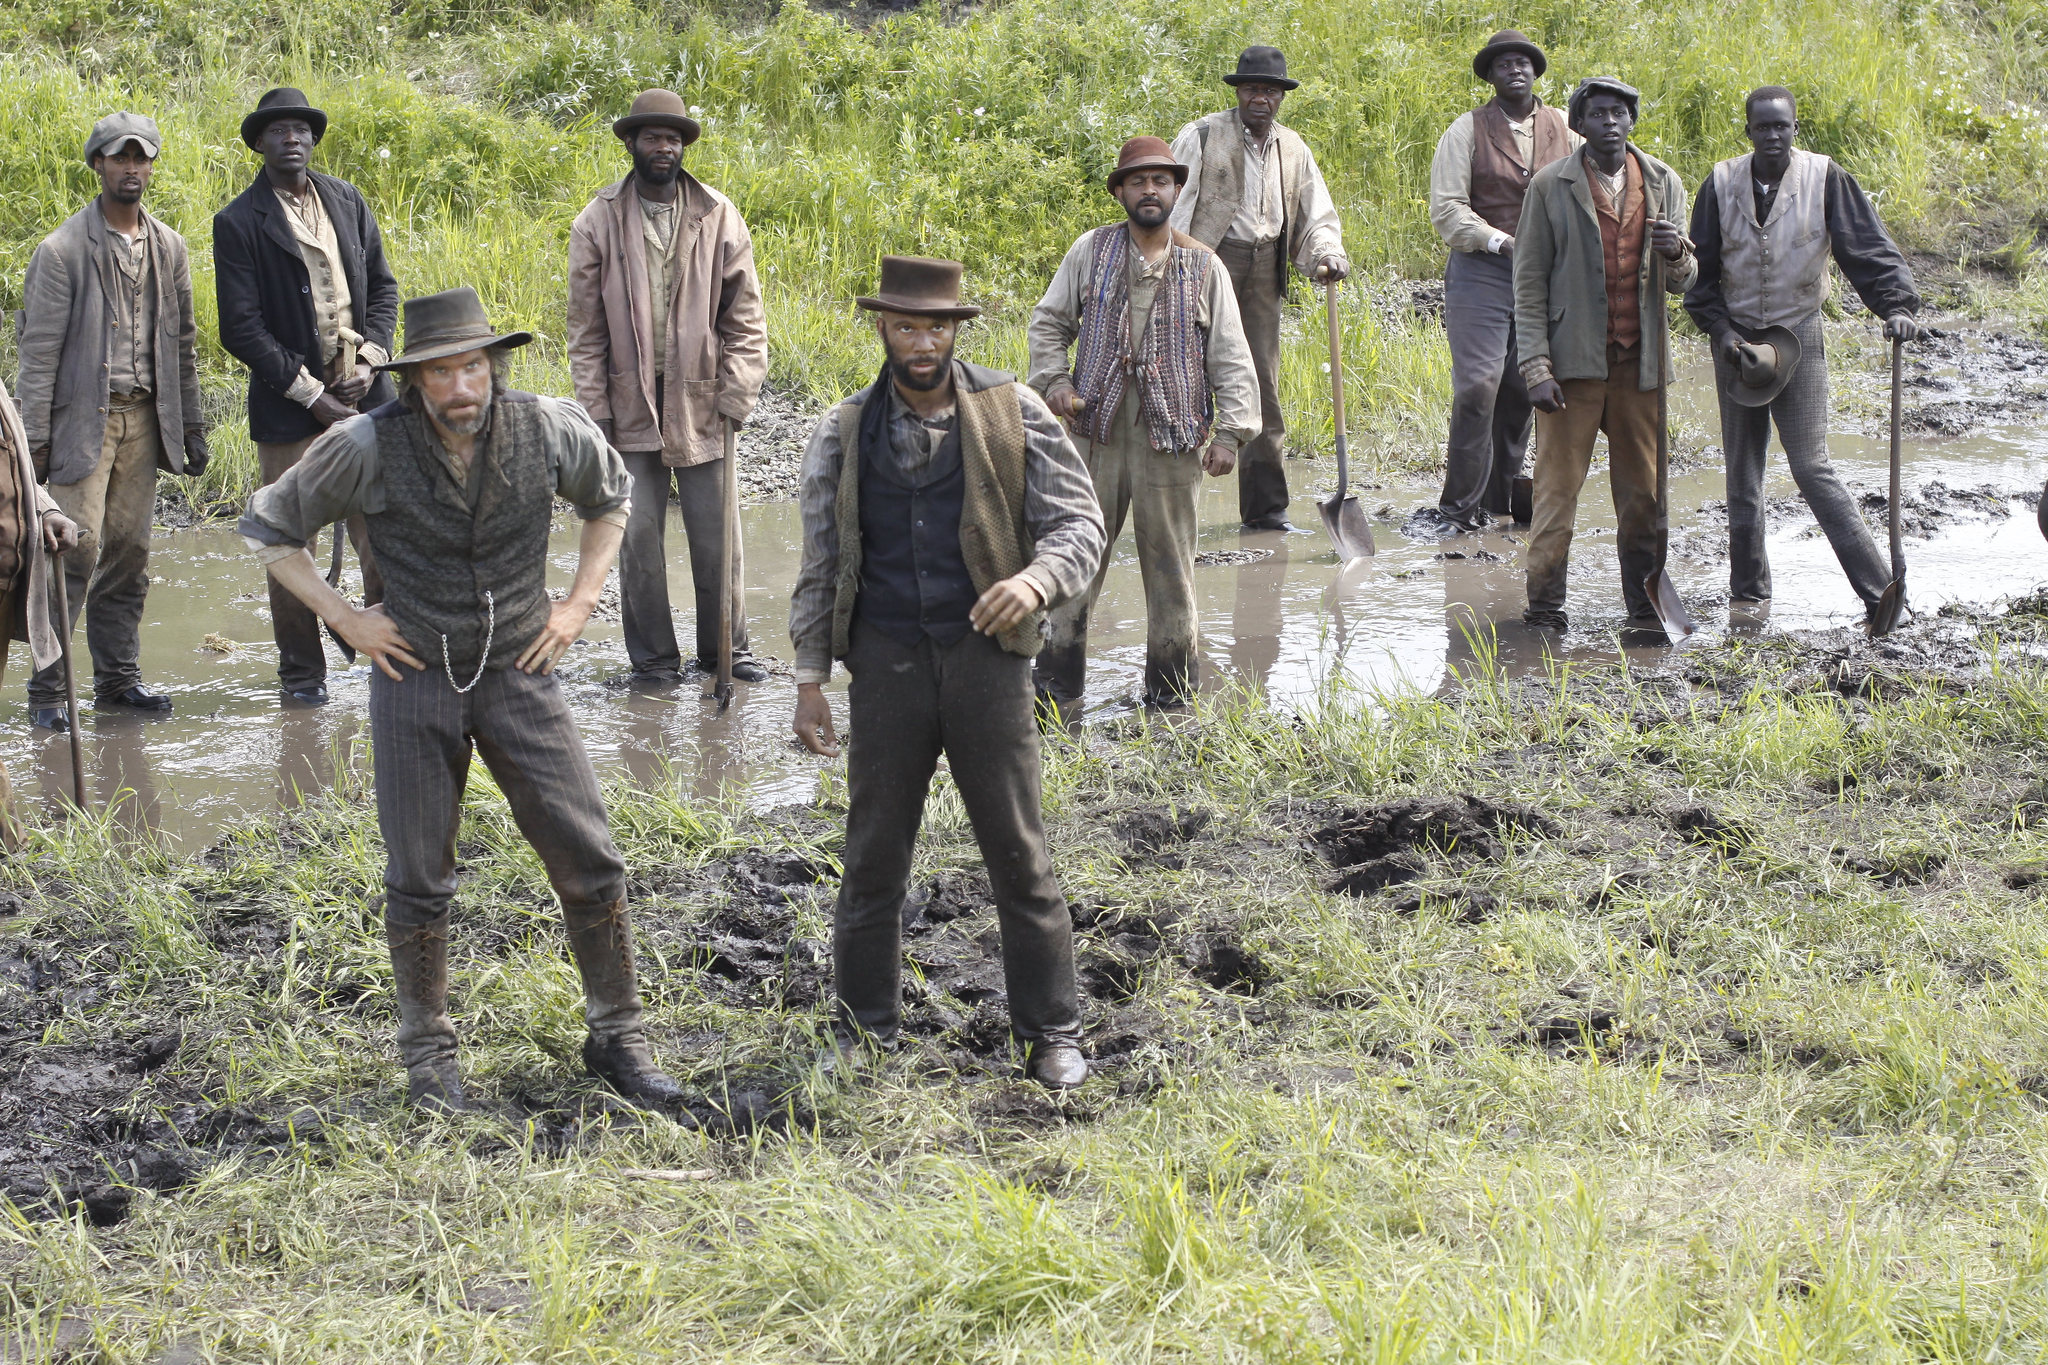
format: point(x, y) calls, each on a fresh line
point(116, 131)
point(1144, 154)
point(1763, 366)
point(284, 102)
point(1507, 40)
point(1261, 66)
point(659, 109)
point(1602, 85)
point(448, 323)
point(920, 286)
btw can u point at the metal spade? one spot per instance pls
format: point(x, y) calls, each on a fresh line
point(1343, 517)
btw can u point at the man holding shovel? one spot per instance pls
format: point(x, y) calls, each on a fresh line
point(1159, 390)
point(1764, 227)
point(1591, 323)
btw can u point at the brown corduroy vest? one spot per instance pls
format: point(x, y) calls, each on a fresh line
point(1499, 179)
point(1621, 250)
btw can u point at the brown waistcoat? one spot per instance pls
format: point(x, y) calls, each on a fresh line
point(1621, 248)
point(1499, 179)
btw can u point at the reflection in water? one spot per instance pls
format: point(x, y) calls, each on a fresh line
point(1256, 614)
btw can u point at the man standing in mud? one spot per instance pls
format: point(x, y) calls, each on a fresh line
point(1764, 226)
point(668, 346)
point(309, 305)
point(457, 481)
point(1152, 322)
point(944, 509)
point(1595, 341)
point(32, 528)
point(1482, 168)
point(1256, 198)
point(109, 395)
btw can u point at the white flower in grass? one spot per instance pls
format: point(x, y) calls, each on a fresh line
point(383, 153)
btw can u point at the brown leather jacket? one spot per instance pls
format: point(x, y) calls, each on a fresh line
point(720, 355)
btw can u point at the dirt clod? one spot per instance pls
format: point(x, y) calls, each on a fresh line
point(1228, 965)
point(1453, 825)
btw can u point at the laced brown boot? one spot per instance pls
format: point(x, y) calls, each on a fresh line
point(616, 1051)
point(426, 1035)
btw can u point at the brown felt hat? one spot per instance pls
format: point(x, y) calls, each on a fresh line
point(1507, 40)
point(1144, 154)
point(920, 286)
point(449, 323)
point(1765, 366)
point(661, 109)
point(284, 102)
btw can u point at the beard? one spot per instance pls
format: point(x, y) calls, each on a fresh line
point(900, 372)
point(651, 174)
point(1148, 214)
point(467, 426)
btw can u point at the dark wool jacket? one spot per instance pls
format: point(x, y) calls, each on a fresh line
point(266, 299)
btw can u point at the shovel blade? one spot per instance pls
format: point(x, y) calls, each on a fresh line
point(1671, 612)
point(1345, 521)
point(1884, 617)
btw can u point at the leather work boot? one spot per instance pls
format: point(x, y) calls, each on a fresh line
point(1057, 1066)
point(616, 1051)
point(426, 1035)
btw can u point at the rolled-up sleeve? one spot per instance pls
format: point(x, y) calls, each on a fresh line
point(336, 478)
point(810, 602)
point(589, 475)
point(1060, 512)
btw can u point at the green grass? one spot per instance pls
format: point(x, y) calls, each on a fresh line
point(982, 138)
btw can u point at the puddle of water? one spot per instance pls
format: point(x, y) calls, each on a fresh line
point(1287, 623)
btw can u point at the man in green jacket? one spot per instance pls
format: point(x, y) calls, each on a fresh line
point(1598, 246)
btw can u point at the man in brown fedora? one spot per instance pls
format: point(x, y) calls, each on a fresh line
point(1482, 168)
point(1160, 386)
point(1764, 227)
point(457, 480)
point(944, 509)
point(1256, 197)
point(668, 345)
point(308, 303)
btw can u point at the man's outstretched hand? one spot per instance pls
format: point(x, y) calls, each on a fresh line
point(814, 721)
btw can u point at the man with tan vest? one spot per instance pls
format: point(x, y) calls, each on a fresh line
point(1476, 183)
point(668, 345)
point(1256, 198)
point(944, 509)
point(1764, 226)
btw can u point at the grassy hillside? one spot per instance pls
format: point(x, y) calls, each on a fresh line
point(478, 131)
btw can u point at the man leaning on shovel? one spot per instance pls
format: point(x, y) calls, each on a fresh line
point(1764, 226)
point(457, 481)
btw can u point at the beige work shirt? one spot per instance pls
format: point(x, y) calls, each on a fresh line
point(658, 235)
point(131, 298)
point(1450, 182)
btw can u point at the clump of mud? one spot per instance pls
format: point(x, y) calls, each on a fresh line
point(1382, 846)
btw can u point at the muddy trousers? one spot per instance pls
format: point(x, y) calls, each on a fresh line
point(1801, 414)
point(301, 651)
point(970, 701)
point(1258, 278)
point(1158, 491)
point(1564, 453)
point(643, 562)
point(1490, 410)
point(10, 825)
point(107, 576)
point(422, 732)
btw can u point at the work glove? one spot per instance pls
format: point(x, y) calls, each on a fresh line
point(197, 453)
point(1902, 327)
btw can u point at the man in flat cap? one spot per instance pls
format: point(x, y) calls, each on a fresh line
point(457, 480)
point(1764, 226)
point(308, 303)
point(944, 510)
point(1159, 387)
point(668, 347)
point(1482, 169)
point(1594, 334)
point(109, 396)
point(1256, 198)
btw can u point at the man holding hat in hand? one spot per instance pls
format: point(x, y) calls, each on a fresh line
point(944, 509)
point(1160, 388)
point(457, 481)
point(1257, 199)
point(668, 346)
point(1482, 169)
point(109, 396)
point(1764, 226)
point(308, 303)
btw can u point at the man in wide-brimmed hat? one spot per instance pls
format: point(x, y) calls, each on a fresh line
point(109, 396)
point(309, 304)
point(1482, 168)
point(1256, 198)
point(668, 345)
point(1159, 387)
point(1599, 232)
point(457, 480)
point(944, 510)
point(1764, 226)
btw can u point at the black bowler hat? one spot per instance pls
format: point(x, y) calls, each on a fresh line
point(449, 323)
point(919, 286)
point(1262, 66)
point(283, 102)
point(1507, 40)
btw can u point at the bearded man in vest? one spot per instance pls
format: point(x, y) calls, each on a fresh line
point(1160, 388)
point(457, 480)
point(944, 509)
point(1595, 340)
point(1256, 198)
point(1764, 226)
point(1482, 168)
